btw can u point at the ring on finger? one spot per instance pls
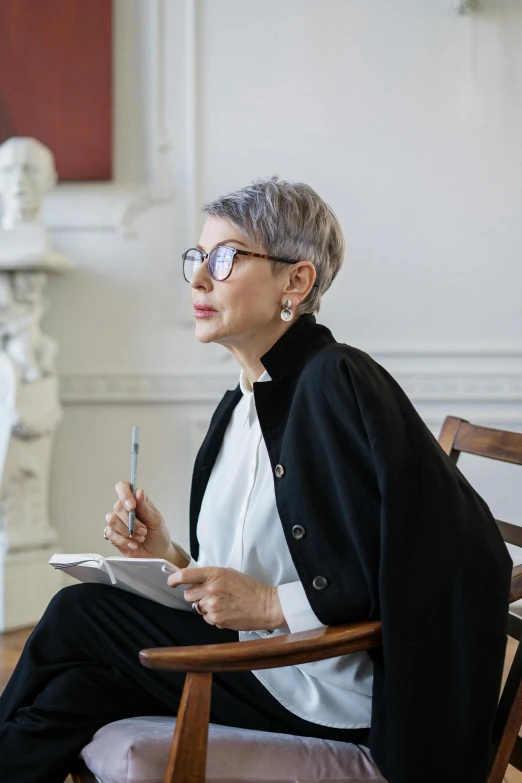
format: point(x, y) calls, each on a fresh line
point(106, 537)
point(196, 608)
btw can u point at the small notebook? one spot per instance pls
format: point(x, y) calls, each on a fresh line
point(142, 576)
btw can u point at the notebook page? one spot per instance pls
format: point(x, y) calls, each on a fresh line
point(142, 576)
point(150, 576)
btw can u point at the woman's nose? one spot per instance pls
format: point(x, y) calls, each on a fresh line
point(201, 277)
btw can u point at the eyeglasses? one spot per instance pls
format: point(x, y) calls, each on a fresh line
point(220, 261)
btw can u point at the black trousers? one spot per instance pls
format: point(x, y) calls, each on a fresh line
point(80, 670)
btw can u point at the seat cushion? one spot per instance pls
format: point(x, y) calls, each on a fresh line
point(135, 750)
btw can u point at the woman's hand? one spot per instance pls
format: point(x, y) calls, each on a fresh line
point(229, 599)
point(151, 536)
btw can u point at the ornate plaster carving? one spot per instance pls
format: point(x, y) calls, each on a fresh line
point(22, 307)
point(465, 6)
point(206, 387)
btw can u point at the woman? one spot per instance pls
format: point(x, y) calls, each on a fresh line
point(318, 497)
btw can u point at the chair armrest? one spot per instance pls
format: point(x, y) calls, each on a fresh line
point(269, 653)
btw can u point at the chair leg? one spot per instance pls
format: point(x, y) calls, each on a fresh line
point(188, 753)
point(81, 774)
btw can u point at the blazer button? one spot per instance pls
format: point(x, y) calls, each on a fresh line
point(298, 532)
point(320, 582)
point(279, 471)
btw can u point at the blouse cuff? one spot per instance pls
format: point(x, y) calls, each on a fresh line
point(192, 563)
point(297, 611)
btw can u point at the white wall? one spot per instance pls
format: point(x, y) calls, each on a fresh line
point(405, 116)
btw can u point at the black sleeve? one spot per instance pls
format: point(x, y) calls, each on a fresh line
point(331, 488)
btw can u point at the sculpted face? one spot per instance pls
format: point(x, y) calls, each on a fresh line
point(28, 286)
point(247, 302)
point(26, 173)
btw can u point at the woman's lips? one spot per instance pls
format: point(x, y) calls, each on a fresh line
point(203, 311)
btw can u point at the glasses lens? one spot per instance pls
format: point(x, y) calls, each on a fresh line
point(192, 260)
point(220, 262)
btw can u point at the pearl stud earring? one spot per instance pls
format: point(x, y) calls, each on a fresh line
point(286, 312)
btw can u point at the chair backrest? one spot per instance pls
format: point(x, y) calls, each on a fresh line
point(456, 436)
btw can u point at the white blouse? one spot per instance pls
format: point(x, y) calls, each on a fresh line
point(239, 527)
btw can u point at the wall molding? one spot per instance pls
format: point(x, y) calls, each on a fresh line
point(146, 387)
point(114, 206)
point(154, 387)
point(445, 349)
point(486, 391)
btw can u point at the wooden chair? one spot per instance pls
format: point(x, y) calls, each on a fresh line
point(188, 752)
point(456, 436)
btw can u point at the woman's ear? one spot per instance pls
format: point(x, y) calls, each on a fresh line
point(302, 278)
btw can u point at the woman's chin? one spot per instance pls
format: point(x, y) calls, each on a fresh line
point(206, 332)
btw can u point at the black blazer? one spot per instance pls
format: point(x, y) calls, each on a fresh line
point(381, 524)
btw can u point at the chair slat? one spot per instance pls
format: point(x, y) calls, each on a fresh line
point(508, 720)
point(510, 533)
point(515, 590)
point(514, 626)
point(516, 756)
point(488, 442)
point(447, 436)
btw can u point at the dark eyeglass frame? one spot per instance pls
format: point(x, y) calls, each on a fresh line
point(235, 252)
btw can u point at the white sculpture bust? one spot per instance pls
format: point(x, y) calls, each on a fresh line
point(27, 172)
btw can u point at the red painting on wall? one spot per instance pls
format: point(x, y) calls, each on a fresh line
point(56, 81)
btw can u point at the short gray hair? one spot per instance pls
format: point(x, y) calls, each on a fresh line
point(289, 220)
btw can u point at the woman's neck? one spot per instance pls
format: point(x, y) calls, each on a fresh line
point(248, 352)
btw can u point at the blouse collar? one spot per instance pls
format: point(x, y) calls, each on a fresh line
point(246, 389)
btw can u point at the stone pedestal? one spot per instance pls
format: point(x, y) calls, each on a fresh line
point(30, 408)
point(27, 584)
point(30, 411)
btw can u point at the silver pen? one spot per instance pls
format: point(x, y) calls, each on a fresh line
point(135, 447)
